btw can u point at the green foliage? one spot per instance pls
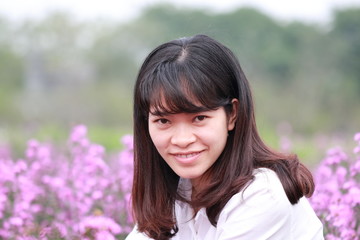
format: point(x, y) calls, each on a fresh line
point(346, 31)
point(11, 65)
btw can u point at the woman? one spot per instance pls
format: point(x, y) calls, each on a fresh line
point(201, 168)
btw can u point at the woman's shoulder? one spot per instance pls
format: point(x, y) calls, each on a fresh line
point(265, 172)
point(136, 235)
point(265, 181)
point(262, 208)
point(265, 188)
point(264, 212)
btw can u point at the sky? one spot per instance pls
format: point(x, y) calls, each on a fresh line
point(317, 11)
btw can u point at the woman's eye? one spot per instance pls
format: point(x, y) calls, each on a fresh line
point(162, 121)
point(200, 118)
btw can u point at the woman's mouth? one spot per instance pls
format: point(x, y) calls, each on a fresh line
point(187, 155)
point(187, 158)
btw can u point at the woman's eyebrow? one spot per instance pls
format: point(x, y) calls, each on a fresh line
point(158, 113)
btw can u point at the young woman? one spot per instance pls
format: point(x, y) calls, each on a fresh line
point(201, 168)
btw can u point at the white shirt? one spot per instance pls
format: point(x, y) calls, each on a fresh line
point(261, 212)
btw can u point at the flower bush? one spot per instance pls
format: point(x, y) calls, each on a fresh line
point(76, 193)
point(337, 195)
point(81, 192)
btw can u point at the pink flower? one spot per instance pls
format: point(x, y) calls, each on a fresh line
point(357, 149)
point(16, 221)
point(99, 223)
point(336, 199)
point(357, 137)
point(32, 148)
point(104, 235)
point(335, 156)
point(341, 174)
point(59, 191)
point(78, 133)
point(128, 141)
point(20, 166)
point(355, 168)
point(96, 195)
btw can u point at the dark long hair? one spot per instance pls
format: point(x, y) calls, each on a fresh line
point(206, 70)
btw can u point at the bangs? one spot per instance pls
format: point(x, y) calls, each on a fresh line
point(175, 88)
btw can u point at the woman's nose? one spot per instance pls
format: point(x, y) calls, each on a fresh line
point(183, 136)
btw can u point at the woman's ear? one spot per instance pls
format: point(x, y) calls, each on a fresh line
point(233, 115)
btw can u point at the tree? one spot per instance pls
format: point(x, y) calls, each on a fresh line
point(346, 30)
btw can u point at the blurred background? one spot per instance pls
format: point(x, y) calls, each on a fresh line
point(64, 63)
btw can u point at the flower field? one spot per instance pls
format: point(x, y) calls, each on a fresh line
point(337, 196)
point(75, 193)
point(78, 191)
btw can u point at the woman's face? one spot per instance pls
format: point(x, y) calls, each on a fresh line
point(190, 143)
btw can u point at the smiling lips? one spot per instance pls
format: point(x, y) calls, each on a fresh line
point(187, 158)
